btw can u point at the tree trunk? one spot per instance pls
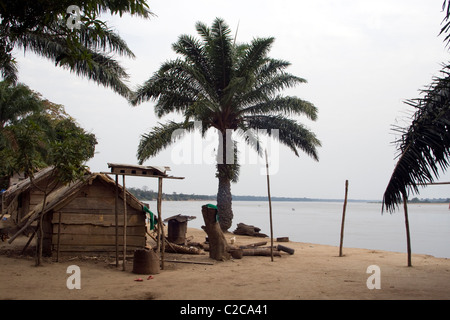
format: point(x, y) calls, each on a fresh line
point(218, 247)
point(224, 200)
point(225, 161)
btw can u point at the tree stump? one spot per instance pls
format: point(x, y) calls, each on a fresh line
point(218, 247)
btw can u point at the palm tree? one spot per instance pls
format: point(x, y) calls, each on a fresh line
point(227, 87)
point(41, 27)
point(424, 146)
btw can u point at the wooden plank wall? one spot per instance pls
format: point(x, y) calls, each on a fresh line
point(88, 223)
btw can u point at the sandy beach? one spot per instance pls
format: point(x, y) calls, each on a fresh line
point(312, 272)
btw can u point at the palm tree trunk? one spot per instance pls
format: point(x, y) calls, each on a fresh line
point(224, 197)
point(408, 238)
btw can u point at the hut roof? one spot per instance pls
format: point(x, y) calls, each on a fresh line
point(66, 193)
point(24, 185)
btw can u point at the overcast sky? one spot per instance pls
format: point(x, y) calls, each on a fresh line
point(362, 60)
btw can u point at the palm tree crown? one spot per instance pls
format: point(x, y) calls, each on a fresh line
point(227, 87)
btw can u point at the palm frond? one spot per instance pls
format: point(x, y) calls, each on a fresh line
point(105, 40)
point(254, 57)
point(84, 58)
point(195, 55)
point(290, 133)
point(220, 48)
point(174, 86)
point(267, 87)
point(284, 105)
point(161, 137)
point(424, 146)
point(8, 67)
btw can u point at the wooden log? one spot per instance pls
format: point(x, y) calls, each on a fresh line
point(283, 239)
point(175, 248)
point(285, 249)
point(260, 252)
point(253, 245)
point(237, 253)
point(248, 230)
point(218, 247)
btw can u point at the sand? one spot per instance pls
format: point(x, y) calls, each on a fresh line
point(312, 272)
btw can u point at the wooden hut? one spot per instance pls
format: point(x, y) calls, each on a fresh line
point(81, 217)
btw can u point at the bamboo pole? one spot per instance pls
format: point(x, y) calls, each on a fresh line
point(270, 208)
point(343, 218)
point(124, 225)
point(408, 239)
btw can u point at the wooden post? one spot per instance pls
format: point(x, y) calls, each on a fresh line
point(408, 239)
point(124, 225)
point(160, 224)
point(116, 213)
point(59, 237)
point(343, 218)
point(270, 209)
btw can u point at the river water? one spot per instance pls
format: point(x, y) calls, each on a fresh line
point(320, 222)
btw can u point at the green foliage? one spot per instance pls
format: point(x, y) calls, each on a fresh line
point(225, 86)
point(40, 26)
point(423, 146)
point(41, 136)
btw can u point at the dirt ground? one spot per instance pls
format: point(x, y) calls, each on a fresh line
point(312, 272)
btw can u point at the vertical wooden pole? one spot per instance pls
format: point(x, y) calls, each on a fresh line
point(343, 218)
point(59, 237)
point(270, 208)
point(124, 225)
point(408, 239)
point(160, 224)
point(116, 213)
